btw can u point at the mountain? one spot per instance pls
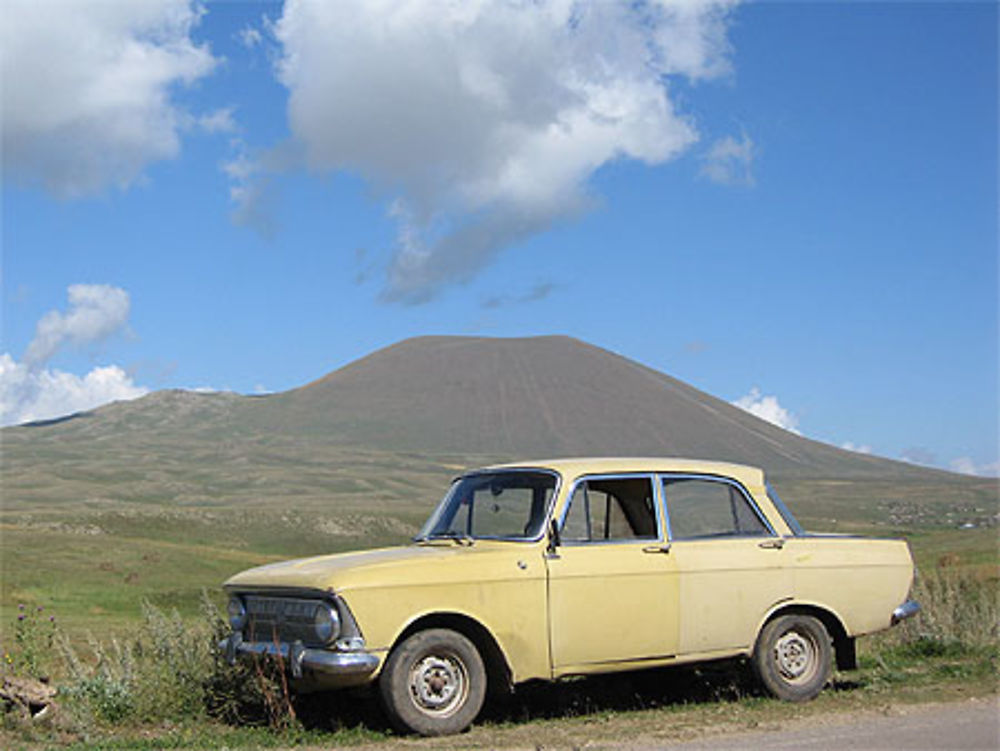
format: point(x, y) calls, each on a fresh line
point(541, 396)
point(505, 398)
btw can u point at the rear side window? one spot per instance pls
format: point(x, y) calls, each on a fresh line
point(700, 508)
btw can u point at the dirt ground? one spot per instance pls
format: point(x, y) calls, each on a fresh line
point(939, 726)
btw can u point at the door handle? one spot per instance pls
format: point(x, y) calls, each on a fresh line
point(773, 544)
point(657, 548)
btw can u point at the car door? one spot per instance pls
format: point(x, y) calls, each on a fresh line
point(613, 588)
point(730, 563)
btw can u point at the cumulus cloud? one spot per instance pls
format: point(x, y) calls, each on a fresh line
point(730, 161)
point(27, 394)
point(768, 408)
point(482, 120)
point(30, 391)
point(96, 311)
point(87, 89)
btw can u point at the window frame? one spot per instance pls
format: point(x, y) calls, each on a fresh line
point(663, 477)
point(658, 510)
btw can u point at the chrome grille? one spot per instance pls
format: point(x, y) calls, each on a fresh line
point(280, 619)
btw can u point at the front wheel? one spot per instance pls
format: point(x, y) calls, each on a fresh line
point(433, 683)
point(792, 657)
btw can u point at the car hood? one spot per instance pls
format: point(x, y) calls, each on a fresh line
point(385, 567)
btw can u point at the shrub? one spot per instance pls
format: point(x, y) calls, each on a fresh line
point(172, 670)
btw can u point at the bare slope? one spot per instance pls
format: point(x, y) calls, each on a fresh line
point(541, 396)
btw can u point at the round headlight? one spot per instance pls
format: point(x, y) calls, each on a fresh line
point(237, 613)
point(326, 623)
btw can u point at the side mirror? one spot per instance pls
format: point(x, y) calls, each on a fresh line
point(554, 539)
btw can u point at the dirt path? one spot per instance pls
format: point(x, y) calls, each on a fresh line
point(944, 726)
point(936, 727)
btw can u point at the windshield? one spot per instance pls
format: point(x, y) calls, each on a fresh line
point(501, 505)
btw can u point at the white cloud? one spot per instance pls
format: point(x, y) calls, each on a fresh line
point(857, 449)
point(30, 391)
point(217, 121)
point(28, 394)
point(730, 161)
point(967, 466)
point(87, 89)
point(250, 37)
point(768, 408)
point(484, 119)
point(96, 311)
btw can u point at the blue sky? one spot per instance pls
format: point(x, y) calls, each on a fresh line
point(789, 204)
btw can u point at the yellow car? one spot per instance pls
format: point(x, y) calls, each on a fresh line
point(568, 567)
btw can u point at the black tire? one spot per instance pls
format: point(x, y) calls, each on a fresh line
point(792, 657)
point(433, 683)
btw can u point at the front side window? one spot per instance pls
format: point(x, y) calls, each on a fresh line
point(505, 505)
point(608, 509)
point(700, 508)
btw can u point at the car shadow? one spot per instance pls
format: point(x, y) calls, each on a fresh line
point(724, 681)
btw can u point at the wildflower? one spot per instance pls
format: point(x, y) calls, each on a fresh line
point(52, 619)
point(20, 606)
point(40, 608)
point(20, 617)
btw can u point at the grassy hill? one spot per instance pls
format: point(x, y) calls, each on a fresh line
point(163, 495)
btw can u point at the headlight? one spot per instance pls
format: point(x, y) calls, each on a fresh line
point(326, 623)
point(237, 613)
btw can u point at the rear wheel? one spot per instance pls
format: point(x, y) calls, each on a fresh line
point(433, 683)
point(792, 657)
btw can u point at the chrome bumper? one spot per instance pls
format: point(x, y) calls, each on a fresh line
point(298, 656)
point(907, 610)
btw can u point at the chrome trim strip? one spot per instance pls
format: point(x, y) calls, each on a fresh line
point(907, 610)
point(299, 656)
point(661, 502)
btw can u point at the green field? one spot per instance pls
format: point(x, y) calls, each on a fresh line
point(92, 564)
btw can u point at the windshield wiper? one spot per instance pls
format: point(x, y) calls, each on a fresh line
point(429, 539)
point(459, 538)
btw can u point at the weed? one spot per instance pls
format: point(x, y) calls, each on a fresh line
point(960, 609)
point(30, 654)
point(171, 670)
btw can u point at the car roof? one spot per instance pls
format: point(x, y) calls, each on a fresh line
point(576, 467)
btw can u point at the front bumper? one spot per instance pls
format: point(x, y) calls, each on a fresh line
point(907, 610)
point(298, 657)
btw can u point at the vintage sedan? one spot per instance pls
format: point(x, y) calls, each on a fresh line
point(577, 566)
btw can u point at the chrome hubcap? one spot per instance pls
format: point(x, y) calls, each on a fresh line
point(438, 684)
point(795, 655)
